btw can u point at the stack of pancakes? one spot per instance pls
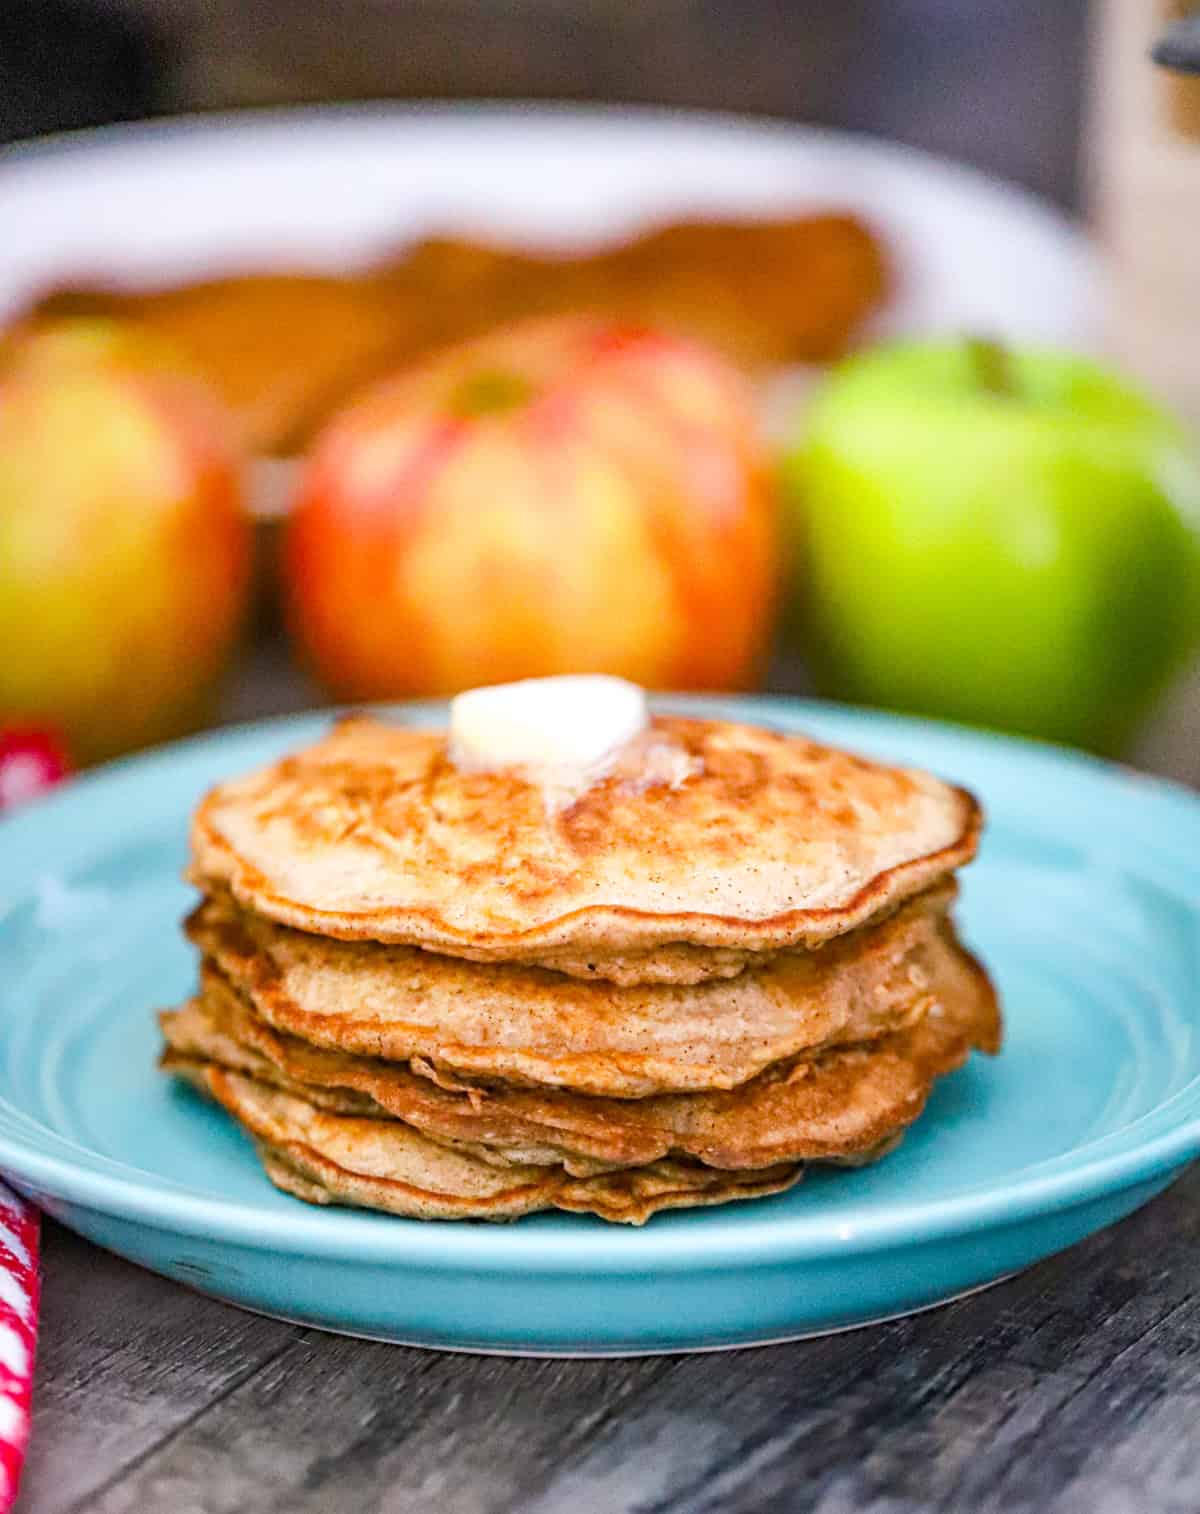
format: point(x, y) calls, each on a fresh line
point(453, 994)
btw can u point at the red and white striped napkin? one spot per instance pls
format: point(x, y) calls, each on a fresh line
point(19, 1295)
point(31, 760)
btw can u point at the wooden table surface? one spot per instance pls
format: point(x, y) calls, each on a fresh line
point(1074, 1387)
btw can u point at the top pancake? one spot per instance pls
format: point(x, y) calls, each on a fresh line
point(708, 841)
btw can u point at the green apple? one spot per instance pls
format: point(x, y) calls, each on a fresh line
point(1007, 538)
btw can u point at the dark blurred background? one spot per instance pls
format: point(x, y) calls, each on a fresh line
point(1009, 73)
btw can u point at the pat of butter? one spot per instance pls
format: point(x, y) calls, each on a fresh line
point(556, 730)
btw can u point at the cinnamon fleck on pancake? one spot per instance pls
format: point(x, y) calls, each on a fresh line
point(766, 842)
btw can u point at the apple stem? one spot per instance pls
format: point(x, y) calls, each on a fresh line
point(992, 364)
point(490, 392)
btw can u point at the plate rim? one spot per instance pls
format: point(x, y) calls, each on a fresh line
point(759, 1239)
point(1054, 221)
point(496, 109)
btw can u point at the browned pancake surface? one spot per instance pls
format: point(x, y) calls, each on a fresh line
point(529, 1025)
point(383, 1164)
point(770, 841)
point(837, 1106)
point(286, 349)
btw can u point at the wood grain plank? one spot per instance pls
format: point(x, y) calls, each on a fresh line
point(1040, 1394)
point(337, 1424)
point(124, 1358)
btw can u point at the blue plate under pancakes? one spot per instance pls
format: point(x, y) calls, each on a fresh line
point(1085, 904)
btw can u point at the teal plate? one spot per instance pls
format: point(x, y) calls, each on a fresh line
point(1085, 903)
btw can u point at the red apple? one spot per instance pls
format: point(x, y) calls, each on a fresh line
point(563, 496)
point(124, 547)
point(32, 760)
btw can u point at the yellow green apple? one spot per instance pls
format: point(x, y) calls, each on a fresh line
point(1007, 538)
point(124, 547)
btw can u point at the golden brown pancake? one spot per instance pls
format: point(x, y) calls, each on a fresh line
point(282, 350)
point(842, 1105)
point(218, 1027)
point(447, 993)
point(285, 350)
point(384, 1164)
point(755, 841)
point(529, 1025)
point(815, 279)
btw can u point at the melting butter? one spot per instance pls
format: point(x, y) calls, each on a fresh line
point(563, 728)
point(564, 734)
